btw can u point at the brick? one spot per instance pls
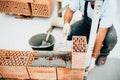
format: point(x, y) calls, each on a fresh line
point(13, 79)
point(41, 73)
point(79, 52)
point(42, 8)
point(13, 63)
point(79, 44)
point(70, 74)
point(5, 6)
point(19, 72)
point(23, 1)
point(78, 61)
point(21, 8)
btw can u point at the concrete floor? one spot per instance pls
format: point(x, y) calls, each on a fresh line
point(15, 33)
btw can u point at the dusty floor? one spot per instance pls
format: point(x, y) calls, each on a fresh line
point(15, 33)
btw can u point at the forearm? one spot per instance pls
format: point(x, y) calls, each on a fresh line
point(68, 15)
point(99, 41)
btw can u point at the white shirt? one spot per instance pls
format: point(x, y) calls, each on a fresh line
point(107, 11)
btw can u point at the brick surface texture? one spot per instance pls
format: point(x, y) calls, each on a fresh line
point(41, 8)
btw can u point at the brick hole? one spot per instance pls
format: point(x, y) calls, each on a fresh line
point(21, 58)
point(45, 9)
point(0, 63)
point(7, 57)
point(35, 58)
point(24, 8)
point(15, 7)
point(7, 6)
point(35, 9)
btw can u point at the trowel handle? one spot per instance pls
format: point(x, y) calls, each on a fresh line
point(48, 34)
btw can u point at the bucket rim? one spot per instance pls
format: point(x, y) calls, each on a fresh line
point(39, 45)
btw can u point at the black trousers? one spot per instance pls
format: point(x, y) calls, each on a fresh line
point(82, 28)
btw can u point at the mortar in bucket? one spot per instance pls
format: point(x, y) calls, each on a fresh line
point(36, 42)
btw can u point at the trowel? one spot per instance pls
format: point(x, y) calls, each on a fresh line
point(46, 43)
point(47, 37)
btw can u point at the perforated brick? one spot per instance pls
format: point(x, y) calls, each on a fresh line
point(79, 52)
point(13, 63)
point(70, 74)
point(20, 7)
point(14, 79)
point(14, 53)
point(41, 73)
point(78, 61)
point(45, 72)
point(79, 44)
point(5, 6)
point(42, 7)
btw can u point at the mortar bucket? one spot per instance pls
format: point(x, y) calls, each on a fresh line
point(36, 41)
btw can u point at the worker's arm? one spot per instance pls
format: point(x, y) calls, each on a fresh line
point(97, 47)
point(68, 15)
point(67, 18)
point(99, 41)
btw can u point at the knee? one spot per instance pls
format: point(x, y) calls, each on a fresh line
point(112, 41)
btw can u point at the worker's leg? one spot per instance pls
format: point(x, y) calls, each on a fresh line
point(80, 28)
point(108, 44)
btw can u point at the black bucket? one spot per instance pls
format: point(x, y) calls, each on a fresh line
point(36, 41)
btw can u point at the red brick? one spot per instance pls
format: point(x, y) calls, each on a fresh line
point(13, 64)
point(42, 8)
point(21, 8)
point(5, 6)
point(19, 72)
point(78, 61)
point(79, 44)
point(42, 73)
point(79, 52)
point(70, 74)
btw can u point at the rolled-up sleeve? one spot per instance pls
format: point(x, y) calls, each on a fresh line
point(74, 5)
point(107, 15)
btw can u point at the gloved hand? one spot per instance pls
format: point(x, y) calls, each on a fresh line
point(92, 64)
point(66, 29)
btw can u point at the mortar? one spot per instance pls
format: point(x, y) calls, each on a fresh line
point(36, 41)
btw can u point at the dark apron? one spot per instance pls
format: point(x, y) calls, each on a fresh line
point(82, 28)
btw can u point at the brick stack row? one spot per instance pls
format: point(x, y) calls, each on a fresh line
point(16, 65)
point(13, 64)
point(41, 8)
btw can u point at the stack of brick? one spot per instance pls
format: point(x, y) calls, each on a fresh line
point(42, 7)
point(13, 64)
point(17, 64)
point(27, 7)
